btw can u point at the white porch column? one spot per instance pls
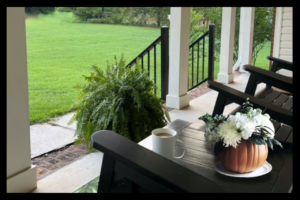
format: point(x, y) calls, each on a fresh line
point(179, 57)
point(277, 32)
point(227, 45)
point(20, 174)
point(246, 35)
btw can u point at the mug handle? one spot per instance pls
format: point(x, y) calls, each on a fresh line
point(183, 149)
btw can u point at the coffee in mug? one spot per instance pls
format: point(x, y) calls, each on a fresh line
point(163, 142)
point(164, 135)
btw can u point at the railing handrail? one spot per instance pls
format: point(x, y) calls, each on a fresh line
point(151, 46)
point(211, 35)
point(200, 38)
point(211, 52)
point(164, 40)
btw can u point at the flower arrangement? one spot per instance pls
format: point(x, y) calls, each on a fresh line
point(248, 124)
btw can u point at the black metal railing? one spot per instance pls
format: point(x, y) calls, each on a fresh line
point(201, 61)
point(157, 66)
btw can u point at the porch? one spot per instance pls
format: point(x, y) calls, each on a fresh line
point(72, 176)
point(21, 176)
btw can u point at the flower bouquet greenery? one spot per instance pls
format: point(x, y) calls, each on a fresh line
point(248, 124)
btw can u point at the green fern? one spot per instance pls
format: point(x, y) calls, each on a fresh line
point(119, 99)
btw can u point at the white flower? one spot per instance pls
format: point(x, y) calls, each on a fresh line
point(247, 130)
point(239, 120)
point(211, 133)
point(267, 116)
point(266, 122)
point(229, 134)
point(242, 125)
point(257, 119)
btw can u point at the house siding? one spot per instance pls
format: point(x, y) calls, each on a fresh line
point(285, 51)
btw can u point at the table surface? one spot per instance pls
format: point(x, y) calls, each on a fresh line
point(199, 157)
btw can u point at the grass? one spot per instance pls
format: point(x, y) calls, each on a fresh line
point(59, 52)
point(262, 61)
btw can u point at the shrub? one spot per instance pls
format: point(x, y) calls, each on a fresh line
point(120, 99)
point(96, 21)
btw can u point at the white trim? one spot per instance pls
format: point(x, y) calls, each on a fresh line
point(225, 78)
point(20, 175)
point(246, 35)
point(277, 32)
point(179, 57)
point(238, 63)
point(227, 44)
point(177, 102)
point(22, 182)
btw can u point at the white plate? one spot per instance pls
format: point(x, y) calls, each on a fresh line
point(264, 169)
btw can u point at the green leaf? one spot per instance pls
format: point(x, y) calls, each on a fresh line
point(276, 142)
point(256, 140)
point(270, 143)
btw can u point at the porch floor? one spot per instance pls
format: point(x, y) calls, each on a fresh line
point(65, 169)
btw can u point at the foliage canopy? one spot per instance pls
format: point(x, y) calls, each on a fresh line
point(263, 24)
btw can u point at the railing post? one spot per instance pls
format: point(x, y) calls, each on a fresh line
point(211, 52)
point(164, 61)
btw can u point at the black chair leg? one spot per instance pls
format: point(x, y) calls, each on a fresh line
point(220, 104)
point(106, 174)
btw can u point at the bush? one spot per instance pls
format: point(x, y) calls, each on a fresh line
point(65, 9)
point(39, 10)
point(120, 99)
point(96, 21)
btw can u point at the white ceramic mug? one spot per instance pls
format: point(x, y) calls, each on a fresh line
point(163, 142)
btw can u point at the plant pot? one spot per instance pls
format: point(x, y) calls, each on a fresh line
point(246, 157)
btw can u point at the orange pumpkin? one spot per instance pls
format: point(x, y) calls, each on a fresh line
point(246, 157)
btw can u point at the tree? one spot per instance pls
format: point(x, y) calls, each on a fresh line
point(85, 13)
point(196, 29)
point(102, 12)
point(161, 15)
point(39, 10)
point(140, 14)
point(65, 9)
point(204, 11)
point(263, 23)
point(215, 17)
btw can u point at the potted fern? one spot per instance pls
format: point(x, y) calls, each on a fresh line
point(120, 99)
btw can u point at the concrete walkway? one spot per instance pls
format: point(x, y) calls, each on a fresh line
point(52, 135)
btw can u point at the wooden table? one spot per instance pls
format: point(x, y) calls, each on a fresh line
point(199, 158)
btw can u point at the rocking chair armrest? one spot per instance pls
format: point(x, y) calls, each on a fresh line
point(280, 64)
point(229, 94)
point(151, 171)
point(258, 75)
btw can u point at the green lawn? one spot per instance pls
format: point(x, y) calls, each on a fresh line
point(262, 61)
point(59, 52)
